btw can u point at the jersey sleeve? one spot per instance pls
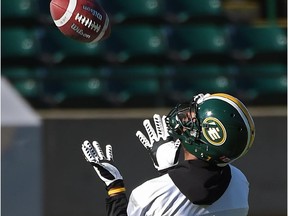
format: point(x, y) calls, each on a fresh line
point(134, 209)
point(117, 205)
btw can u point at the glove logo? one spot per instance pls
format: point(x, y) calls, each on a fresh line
point(214, 132)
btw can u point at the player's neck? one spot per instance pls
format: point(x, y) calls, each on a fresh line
point(189, 156)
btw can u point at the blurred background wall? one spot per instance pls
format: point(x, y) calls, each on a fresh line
point(160, 52)
point(21, 156)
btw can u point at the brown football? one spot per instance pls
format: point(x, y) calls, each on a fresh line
point(82, 20)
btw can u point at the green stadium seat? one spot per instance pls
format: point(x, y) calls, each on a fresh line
point(77, 80)
point(14, 73)
point(74, 72)
point(266, 82)
point(262, 43)
point(15, 9)
point(19, 43)
point(189, 80)
point(131, 10)
point(271, 85)
point(83, 87)
point(62, 49)
point(194, 10)
point(28, 87)
point(27, 81)
point(76, 86)
point(136, 43)
point(135, 85)
point(264, 77)
point(265, 38)
point(200, 42)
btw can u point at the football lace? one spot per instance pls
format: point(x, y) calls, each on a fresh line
point(87, 22)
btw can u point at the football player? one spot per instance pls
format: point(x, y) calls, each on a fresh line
point(213, 130)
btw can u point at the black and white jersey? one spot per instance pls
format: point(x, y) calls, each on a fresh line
point(162, 196)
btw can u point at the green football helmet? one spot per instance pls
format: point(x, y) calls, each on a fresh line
point(216, 128)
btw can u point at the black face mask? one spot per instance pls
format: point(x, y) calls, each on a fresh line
point(182, 122)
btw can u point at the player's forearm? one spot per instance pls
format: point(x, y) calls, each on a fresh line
point(103, 164)
point(116, 203)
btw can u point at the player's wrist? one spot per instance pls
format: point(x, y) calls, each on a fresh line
point(115, 188)
point(116, 191)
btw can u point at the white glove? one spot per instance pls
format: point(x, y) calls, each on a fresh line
point(103, 166)
point(163, 151)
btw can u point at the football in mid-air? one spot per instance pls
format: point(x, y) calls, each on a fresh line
point(82, 20)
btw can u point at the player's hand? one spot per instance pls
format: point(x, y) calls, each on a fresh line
point(102, 164)
point(163, 150)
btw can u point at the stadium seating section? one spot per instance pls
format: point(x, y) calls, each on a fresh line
point(159, 53)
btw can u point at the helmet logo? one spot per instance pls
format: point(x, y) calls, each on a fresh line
point(215, 132)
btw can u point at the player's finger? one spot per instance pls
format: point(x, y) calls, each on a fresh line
point(158, 126)
point(98, 149)
point(86, 151)
point(85, 145)
point(150, 131)
point(143, 139)
point(89, 151)
point(109, 153)
point(165, 128)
